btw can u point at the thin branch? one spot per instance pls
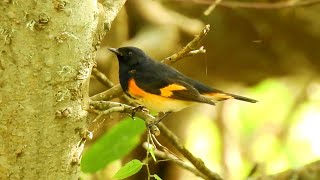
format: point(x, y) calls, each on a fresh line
point(191, 46)
point(197, 162)
point(102, 78)
point(211, 7)
point(163, 147)
point(115, 91)
point(175, 160)
point(259, 5)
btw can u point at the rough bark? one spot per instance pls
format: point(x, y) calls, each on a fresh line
point(47, 50)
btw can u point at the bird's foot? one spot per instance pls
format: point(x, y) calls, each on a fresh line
point(161, 118)
point(137, 109)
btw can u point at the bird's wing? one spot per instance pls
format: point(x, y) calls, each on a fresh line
point(169, 83)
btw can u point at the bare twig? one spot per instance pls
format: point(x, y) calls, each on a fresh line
point(172, 158)
point(211, 7)
point(102, 78)
point(259, 5)
point(197, 162)
point(191, 46)
point(115, 91)
point(165, 149)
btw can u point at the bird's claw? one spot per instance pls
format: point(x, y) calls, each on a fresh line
point(137, 109)
point(159, 119)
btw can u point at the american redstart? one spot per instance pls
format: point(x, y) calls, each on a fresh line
point(161, 88)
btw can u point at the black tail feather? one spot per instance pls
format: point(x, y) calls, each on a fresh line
point(242, 98)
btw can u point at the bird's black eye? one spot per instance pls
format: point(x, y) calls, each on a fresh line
point(129, 53)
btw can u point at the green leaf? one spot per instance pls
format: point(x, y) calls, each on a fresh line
point(116, 143)
point(129, 169)
point(156, 177)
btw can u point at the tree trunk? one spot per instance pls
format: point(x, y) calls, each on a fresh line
point(47, 50)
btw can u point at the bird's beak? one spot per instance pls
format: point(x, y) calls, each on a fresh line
point(116, 51)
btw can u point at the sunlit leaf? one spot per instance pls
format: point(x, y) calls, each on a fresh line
point(129, 169)
point(156, 177)
point(116, 143)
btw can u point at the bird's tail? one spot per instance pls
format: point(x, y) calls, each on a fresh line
point(221, 96)
point(242, 98)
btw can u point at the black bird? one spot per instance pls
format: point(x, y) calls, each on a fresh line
point(161, 88)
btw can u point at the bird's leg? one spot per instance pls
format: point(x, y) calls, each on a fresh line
point(136, 109)
point(162, 117)
point(154, 124)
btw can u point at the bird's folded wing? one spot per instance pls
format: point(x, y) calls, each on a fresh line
point(176, 90)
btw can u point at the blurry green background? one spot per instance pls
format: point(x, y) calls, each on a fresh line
point(269, 55)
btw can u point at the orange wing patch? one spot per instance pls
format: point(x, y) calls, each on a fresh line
point(167, 91)
point(219, 96)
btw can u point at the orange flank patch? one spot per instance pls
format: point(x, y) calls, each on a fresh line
point(167, 91)
point(218, 96)
point(135, 90)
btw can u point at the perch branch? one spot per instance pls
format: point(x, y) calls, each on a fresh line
point(197, 162)
point(172, 158)
point(102, 107)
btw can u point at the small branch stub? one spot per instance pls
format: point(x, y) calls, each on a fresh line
point(190, 49)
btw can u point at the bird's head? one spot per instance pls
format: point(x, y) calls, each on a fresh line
point(130, 56)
